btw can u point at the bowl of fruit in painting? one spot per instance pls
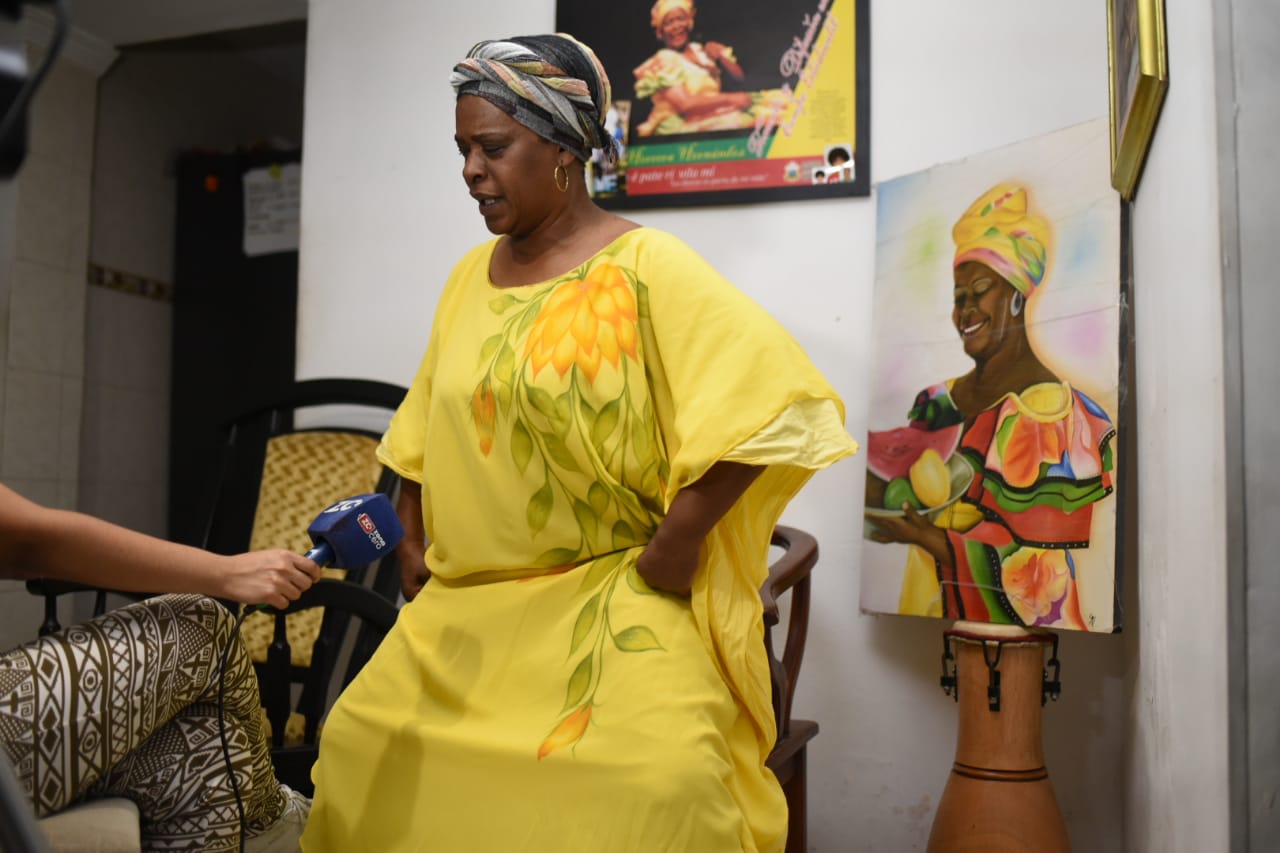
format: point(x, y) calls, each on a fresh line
point(916, 467)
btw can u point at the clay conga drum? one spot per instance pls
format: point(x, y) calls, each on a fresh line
point(998, 798)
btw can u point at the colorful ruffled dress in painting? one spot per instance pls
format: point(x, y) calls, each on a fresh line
point(699, 75)
point(1042, 459)
point(537, 695)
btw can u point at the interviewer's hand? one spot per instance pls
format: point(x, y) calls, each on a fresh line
point(273, 577)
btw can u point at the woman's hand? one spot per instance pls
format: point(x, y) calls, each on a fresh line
point(412, 548)
point(721, 54)
point(912, 529)
point(671, 558)
point(669, 568)
point(274, 577)
point(413, 573)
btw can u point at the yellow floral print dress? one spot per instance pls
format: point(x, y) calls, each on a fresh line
point(538, 695)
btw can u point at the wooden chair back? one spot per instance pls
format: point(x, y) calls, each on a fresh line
point(790, 573)
point(279, 678)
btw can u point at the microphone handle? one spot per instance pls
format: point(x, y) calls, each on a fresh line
point(322, 554)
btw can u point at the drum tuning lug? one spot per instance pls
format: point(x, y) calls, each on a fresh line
point(1051, 686)
point(950, 684)
point(993, 670)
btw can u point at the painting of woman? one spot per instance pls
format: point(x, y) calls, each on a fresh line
point(994, 480)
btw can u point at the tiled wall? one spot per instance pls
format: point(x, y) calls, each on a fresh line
point(154, 103)
point(44, 247)
point(86, 261)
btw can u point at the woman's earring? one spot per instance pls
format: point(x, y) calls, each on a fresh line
point(555, 176)
point(1016, 303)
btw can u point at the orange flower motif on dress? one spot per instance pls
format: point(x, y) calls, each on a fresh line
point(1035, 580)
point(484, 411)
point(569, 731)
point(585, 322)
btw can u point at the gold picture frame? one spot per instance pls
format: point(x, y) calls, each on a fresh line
point(1138, 76)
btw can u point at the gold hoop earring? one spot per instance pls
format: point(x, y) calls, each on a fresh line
point(555, 176)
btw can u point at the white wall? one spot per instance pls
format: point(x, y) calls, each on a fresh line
point(385, 217)
point(1176, 788)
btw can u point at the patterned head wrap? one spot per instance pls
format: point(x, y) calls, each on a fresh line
point(662, 7)
point(997, 231)
point(552, 84)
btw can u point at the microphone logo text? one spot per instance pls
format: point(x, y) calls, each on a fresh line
point(371, 530)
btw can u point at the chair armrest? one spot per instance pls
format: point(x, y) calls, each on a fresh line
point(50, 590)
point(46, 587)
point(789, 569)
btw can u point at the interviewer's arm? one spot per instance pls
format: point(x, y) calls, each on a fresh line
point(37, 542)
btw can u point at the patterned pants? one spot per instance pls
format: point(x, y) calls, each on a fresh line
point(126, 705)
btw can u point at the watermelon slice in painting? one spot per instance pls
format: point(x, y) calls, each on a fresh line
point(890, 452)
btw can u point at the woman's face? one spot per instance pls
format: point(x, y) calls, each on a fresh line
point(507, 167)
point(675, 28)
point(981, 312)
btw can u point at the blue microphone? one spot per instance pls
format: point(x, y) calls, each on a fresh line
point(355, 532)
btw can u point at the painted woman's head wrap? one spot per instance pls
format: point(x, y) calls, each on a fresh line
point(552, 84)
point(662, 7)
point(997, 231)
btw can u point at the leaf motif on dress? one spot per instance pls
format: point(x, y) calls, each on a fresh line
point(592, 629)
point(559, 451)
point(606, 422)
point(489, 347)
point(623, 535)
point(539, 510)
point(521, 446)
point(579, 682)
point(557, 559)
point(636, 638)
point(598, 498)
point(500, 304)
point(586, 620)
point(638, 584)
point(587, 519)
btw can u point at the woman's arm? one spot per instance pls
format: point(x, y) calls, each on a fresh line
point(37, 542)
point(913, 529)
point(724, 56)
point(412, 548)
point(670, 560)
point(691, 106)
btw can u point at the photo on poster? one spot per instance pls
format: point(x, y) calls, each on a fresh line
point(996, 385)
point(720, 102)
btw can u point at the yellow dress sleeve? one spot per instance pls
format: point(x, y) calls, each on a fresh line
point(728, 382)
point(723, 370)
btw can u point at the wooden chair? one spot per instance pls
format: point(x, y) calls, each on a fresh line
point(275, 477)
point(285, 458)
point(790, 572)
point(281, 465)
point(278, 676)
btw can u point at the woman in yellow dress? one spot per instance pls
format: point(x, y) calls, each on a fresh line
point(683, 79)
point(598, 442)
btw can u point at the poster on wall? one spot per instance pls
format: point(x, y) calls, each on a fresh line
point(729, 101)
point(996, 383)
